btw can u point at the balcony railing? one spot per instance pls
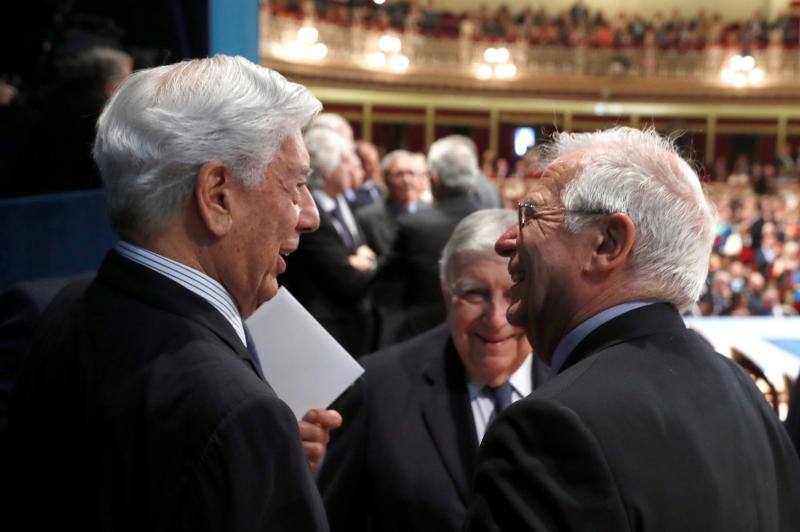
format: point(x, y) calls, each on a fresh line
point(356, 47)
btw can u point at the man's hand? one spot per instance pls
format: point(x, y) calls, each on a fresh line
point(364, 260)
point(315, 431)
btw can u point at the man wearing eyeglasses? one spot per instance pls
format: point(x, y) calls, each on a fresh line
point(641, 426)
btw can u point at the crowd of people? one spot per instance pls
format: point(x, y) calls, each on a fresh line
point(578, 25)
point(533, 370)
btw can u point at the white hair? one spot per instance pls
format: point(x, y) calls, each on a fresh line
point(164, 123)
point(642, 174)
point(333, 122)
point(454, 162)
point(325, 148)
point(474, 237)
point(389, 159)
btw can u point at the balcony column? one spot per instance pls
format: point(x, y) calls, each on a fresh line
point(366, 121)
point(780, 138)
point(567, 125)
point(430, 126)
point(711, 137)
point(494, 130)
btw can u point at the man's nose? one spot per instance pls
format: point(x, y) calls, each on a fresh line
point(308, 220)
point(506, 245)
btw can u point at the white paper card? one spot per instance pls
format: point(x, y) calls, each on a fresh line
point(302, 362)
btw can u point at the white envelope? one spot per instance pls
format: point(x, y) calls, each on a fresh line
point(302, 362)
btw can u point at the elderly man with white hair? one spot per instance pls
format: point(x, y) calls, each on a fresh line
point(407, 285)
point(641, 426)
point(332, 268)
point(404, 456)
point(142, 404)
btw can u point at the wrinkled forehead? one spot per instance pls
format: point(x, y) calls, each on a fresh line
point(547, 189)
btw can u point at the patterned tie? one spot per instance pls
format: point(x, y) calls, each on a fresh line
point(501, 396)
point(342, 228)
point(251, 346)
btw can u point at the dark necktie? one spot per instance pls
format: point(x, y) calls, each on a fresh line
point(501, 397)
point(251, 346)
point(344, 231)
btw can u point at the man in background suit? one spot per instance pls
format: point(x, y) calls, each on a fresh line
point(640, 426)
point(401, 170)
point(407, 284)
point(404, 456)
point(142, 404)
point(332, 268)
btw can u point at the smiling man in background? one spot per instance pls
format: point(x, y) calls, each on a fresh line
point(404, 457)
point(641, 426)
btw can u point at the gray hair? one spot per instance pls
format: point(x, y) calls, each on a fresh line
point(164, 123)
point(455, 162)
point(325, 148)
point(333, 122)
point(642, 174)
point(390, 158)
point(474, 237)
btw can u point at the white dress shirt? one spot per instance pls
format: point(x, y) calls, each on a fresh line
point(483, 405)
point(189, 278)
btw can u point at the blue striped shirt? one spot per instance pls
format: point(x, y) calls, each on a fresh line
point(189, 278)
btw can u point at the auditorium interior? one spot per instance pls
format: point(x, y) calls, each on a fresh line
point(723, 80)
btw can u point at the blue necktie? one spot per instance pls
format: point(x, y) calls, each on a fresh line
point(501, 396)
point(344, 231)
point(251, 346)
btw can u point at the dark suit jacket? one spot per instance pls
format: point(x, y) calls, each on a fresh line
point(407, 287)
point(404, 456)
point(379, 227)
point(139, 408)
point(793, 418)
point(319, 275)
point(645, 428)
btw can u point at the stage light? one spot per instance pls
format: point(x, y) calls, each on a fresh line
point(377, 59)
point(317, 51)
point(307, 35)
point(398, 63)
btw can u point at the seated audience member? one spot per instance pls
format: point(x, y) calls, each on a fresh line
point(332, 267)
point(402, 170)
point(640, 426)
point(407, 285)
point(142, 404)
point(372, 189)
point(403, 459)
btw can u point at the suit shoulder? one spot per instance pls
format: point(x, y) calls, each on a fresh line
point(410, 356)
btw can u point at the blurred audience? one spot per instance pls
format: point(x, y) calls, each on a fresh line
point(577, 25)
point(333, 267)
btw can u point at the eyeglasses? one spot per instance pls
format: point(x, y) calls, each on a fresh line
point(527, 211)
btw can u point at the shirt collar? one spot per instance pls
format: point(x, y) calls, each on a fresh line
point(520, 380)
point(326, 203)
point(576, 335)
point(193, 280)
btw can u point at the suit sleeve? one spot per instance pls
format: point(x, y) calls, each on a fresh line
point(540, 469)
point(329, 260)
point(343, 477)
point(254, 476)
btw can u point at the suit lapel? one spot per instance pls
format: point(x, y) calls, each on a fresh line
point(636, 323)
point(448, 418)
point(157, 290)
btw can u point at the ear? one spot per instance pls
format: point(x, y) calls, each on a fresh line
point(213, 196)
point(445, 295)
point(612, 243)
